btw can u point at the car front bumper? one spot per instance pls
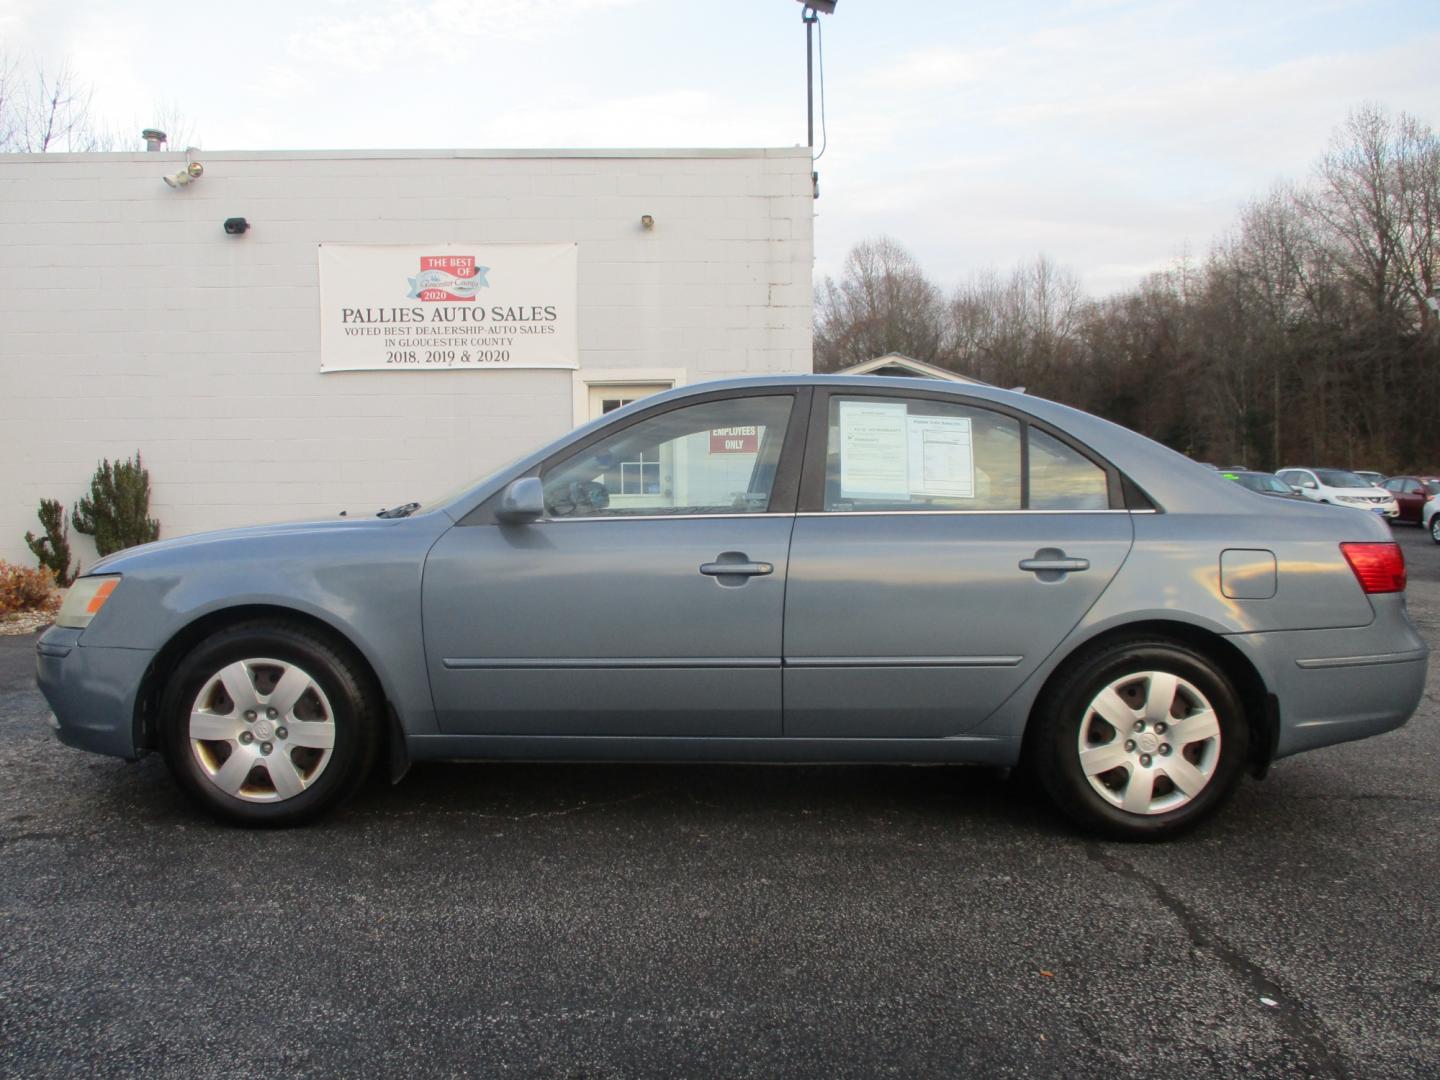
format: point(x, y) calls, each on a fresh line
point(91, 690)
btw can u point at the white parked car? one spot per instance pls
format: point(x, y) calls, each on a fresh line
point(1342, 488)
point(1430, 517)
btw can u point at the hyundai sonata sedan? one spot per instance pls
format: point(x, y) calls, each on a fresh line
point(784, 569)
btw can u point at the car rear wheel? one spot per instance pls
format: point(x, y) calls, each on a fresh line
point(1434, 527)
point(267, 724)
point(1140, 739)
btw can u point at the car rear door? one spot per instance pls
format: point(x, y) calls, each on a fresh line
point(944, 548)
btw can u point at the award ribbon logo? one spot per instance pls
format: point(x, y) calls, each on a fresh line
point(448, 278)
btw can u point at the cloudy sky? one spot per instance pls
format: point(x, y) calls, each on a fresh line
point(1113, 136)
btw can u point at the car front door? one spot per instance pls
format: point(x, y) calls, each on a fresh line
point(943, 550)
point(648, 601)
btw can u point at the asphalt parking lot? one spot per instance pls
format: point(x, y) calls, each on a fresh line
point(599, 921)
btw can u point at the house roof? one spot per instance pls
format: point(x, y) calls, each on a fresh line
point(899, 364)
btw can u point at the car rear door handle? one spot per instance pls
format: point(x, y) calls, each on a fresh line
point(1052, 564)
point(1065, 566)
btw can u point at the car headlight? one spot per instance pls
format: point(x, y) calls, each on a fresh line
point(85, 599)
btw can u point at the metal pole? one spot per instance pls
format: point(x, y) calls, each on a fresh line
point(810, 16)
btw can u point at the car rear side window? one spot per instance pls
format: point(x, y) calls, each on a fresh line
point(717, 457)
point(887, 454)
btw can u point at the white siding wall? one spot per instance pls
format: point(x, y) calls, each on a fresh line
point(129, 320)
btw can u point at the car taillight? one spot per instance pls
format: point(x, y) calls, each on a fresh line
point(1380, 568)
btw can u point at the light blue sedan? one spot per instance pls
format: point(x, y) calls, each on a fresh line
point(815, 568)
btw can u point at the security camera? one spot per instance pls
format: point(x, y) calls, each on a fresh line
point(187, 175)
point(236, 226)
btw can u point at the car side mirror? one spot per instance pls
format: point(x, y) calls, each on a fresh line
point(523, 502)
point(1297, 489)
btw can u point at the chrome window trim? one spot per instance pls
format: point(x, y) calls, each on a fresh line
point(659, 517)
point(823, 514)
point(962, 513)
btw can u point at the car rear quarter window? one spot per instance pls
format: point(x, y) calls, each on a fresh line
point(1061, 478)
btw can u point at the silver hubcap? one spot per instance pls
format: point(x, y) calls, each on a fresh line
point(262, 730)
point(1149, 742)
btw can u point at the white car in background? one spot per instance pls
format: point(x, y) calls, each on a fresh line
point(1342, 488)
point(1430, 517)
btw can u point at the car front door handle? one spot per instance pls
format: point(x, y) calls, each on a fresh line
point(736, 569)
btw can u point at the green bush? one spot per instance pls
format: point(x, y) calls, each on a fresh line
point(116, 511)
point(53, 549)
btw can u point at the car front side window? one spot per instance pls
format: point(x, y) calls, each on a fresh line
point(715, 457)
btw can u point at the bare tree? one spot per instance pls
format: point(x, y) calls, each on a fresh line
point(883, 303)
point(1417, 192)
point(179, 128)
point(1356, 201)
point(1019, 329)
point(9, 107)
point(1306, 335)
point(53, 113)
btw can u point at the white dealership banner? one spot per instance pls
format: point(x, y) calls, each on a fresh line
point(422, 307)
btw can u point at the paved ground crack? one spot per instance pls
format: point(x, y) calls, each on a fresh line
point(1296, 1019)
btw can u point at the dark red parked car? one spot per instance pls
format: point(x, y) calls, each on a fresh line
point(1411, 493)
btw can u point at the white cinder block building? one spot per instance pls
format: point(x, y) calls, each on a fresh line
point(131, 320)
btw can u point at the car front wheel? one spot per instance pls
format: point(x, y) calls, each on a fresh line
point(1140, 739)
point(1435, 528)
point(267, 724)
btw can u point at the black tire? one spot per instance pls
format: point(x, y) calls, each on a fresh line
point(1053, 743)
point(348, 689)
point(1434, 528)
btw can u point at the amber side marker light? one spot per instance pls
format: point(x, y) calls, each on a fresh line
point(1380, 568)
point(85, 599)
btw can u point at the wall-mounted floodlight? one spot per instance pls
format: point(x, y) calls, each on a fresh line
point(187, 175)
point(826, 7)
point(236, 226)
point(647, 221)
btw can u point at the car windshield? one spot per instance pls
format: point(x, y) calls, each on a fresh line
point(459, 489)
point(1339, 478)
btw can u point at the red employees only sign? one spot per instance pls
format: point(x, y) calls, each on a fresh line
point(735, 440)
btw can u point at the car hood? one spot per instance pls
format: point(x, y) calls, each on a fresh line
point(119, 561)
